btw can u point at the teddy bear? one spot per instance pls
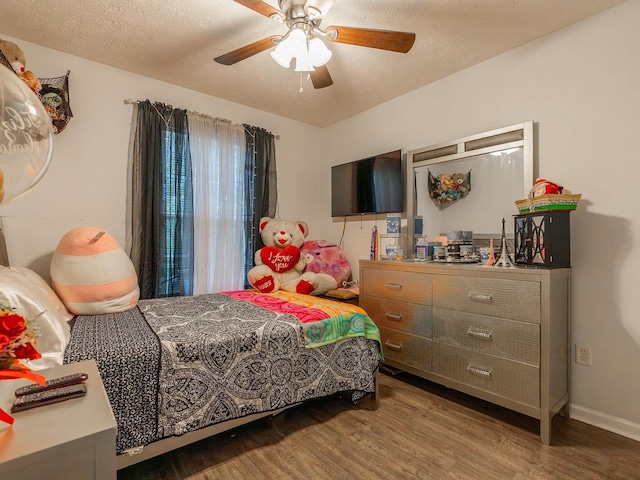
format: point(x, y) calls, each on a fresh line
point(18, 62)
point(280, 264)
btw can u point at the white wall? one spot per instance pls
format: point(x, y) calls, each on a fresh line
point(581, 86)
point(86, 181)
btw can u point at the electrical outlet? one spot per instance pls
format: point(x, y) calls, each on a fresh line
point(583, 355)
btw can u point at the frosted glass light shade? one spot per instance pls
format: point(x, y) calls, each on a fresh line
point(297, 42)
point(308, 53)
point(319, 54)
point(303, 64)
point(281, 56)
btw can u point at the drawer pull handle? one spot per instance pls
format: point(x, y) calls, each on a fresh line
point(478, 334)
point(394, 286)
point(480, 297)
point(396, 317)
point(479, 371)
point(393, 346)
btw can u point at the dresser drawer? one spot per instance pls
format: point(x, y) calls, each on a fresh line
point(512, 380)
point(406, 348)
point(407, 317)
point(397, 285)
point(499, 337)
point(513, 299)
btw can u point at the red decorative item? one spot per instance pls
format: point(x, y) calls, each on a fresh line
point(304, 287)
point(545, 187)
point(17, 342)
point(280, 260)
point(265, 285)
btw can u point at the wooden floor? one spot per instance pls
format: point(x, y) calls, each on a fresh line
point(421, 430)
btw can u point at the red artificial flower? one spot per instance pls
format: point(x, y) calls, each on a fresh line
point(26, 351)
point(12, 325)
point(17, 337)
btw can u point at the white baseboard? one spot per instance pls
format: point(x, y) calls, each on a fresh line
point(605, 421)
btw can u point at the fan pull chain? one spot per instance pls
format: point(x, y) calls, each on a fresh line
point(301, 89)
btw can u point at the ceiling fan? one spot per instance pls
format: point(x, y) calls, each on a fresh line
point(304, 40)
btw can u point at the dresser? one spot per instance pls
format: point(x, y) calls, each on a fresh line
point(500, 334)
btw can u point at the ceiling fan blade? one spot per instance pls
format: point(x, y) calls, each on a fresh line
point(247, 51)
point(261, 7)
point(320, 77)
point(366, 37)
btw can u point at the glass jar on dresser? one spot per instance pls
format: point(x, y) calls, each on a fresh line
point(500, 334)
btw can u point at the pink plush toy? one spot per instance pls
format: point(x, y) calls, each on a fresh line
point(92, 274)
point(326, 257)
point(280, 263)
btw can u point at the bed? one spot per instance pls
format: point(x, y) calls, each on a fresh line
point(180, 369)
point(177, 370)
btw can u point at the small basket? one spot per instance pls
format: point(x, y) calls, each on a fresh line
point(554, 202)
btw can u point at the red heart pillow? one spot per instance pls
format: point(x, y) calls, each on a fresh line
point(280, 260)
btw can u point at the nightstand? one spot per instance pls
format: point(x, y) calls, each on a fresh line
point(73, 439)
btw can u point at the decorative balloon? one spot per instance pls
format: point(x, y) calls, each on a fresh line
point(26, 137)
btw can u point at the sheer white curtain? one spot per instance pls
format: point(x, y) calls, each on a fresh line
point(218, 150)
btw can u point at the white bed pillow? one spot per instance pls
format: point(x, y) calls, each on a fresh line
point(31, 297)
point(47, 290)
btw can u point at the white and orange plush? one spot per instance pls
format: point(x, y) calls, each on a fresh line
point(92, 274)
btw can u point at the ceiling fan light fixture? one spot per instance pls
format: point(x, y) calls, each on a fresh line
point(297, 42)
point(308, 54)
point(303, 64)
point(313, 13)
point(289, 47)
point(305, 40)
point(319, 54)
point(282, 56)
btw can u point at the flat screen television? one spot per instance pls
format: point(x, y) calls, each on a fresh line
point(370, 185)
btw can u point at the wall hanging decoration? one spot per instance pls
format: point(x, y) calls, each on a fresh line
point(54, 95)
point(448, 188)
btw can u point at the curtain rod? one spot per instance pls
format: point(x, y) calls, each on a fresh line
point(130, 101)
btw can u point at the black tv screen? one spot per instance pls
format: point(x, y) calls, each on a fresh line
point(370, 185)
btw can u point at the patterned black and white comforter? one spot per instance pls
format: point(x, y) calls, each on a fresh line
point(174, 365)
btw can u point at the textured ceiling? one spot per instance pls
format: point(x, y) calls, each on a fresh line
point(176, 41)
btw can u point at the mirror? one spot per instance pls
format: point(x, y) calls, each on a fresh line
point(470, 183)
point(495, 182)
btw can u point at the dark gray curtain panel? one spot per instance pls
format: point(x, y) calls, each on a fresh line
point(262, 192)
point(162, 202)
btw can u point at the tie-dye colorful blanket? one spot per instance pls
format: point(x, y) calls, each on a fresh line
point(323, 321)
